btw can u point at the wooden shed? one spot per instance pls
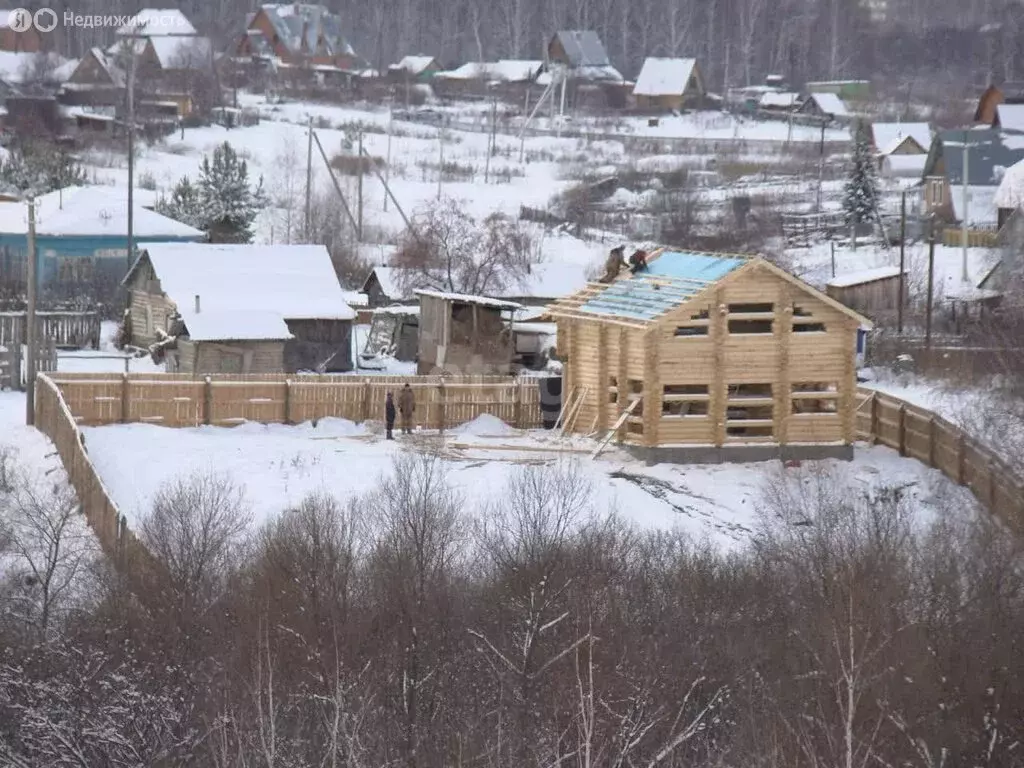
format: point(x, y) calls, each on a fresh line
point(872, 292)
point(708, 357)
point(465, 334)
point(240, 308)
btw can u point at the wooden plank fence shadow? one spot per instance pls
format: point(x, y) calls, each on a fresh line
point(66, 401)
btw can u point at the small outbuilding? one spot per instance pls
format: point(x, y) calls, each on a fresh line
point(240, 308)
point(465, 334)
point(711, 357)
point(383, 287)
point(872, 292)
point(827, 105)
point(669, 84)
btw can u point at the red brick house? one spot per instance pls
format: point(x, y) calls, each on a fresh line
point(28, 41)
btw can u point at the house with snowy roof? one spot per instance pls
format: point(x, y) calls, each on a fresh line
point(1010, 92)
point(82, 238)
point(240, 308)
point(989, 154)
point(420, 68)
point(669, 84)
point(582, 54)
point(901, 148)
point(825, 105)
point(509, 76)
point(297, 34)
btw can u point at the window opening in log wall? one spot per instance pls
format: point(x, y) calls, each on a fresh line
point(803, 322)
point(685, 400)
point(751, 309)
point(750, 411)
point(613, 389)
point(697, 325)
point(815, 398)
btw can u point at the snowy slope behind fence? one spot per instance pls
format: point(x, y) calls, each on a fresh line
point(881, 419)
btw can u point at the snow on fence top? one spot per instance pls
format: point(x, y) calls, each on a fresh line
point(244, 286)
point(863, 276)
point(466, 298)
point(664, 76)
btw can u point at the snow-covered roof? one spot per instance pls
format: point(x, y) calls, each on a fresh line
point(664, 76)
point(907, 166)
point(981, 207)
point(1010, 192)
point(182, 52)
point(397, 310)
point(503, 71)
point(889, 136)
point(775, 100)
point(389, 282)
point(356, 299)
point(302, 27)
point(583, 48)
point(413, 65)
point(91, 211)
point(63, 71)
point(829, 104)
point(1011, 117)
point(863, 276)
point(241, 286)
point(465, 298)
point(153, 22)
point(107, 62)
point(17, 67)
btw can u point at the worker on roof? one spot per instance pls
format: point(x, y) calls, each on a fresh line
point(638, 261)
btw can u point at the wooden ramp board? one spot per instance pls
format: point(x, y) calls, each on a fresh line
point(615, 428)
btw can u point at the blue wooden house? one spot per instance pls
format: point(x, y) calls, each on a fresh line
point(81, 240)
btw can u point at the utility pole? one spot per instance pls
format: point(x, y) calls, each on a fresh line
point(491, 139)
point(30, 320)
point(440, 161)
point(387, 161)
point(309, 178)
point(931, 286)
point(131, 152)
point(903, 248)
point(963, 224)
point(359, 229)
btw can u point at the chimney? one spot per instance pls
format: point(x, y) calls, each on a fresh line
point(197, 304)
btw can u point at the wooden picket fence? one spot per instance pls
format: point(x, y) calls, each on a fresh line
point(936, 442)
point(184, 401)
point(12, 363)
point(75, 330)
point(66, 401)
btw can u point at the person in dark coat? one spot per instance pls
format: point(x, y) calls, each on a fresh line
point(638, 262)
point(406, 407)
point(389, 415)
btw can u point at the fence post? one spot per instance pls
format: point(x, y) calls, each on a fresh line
point(874, 418)
point(207, 399)
point(931, 440)
point(441, 409)
point(367, 389)
point(903, 429)
point(961, 458)
point(518, 407)
point(124, 398)
point(287, 401)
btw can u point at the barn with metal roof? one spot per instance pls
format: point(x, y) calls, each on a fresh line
point(710, 357)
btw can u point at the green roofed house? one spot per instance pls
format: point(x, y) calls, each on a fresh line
point(81, 240)
point(709, 357)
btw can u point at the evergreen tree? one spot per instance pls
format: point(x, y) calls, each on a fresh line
point(229, 205)
point(184, 205)
point(37, 168)
point(860, 195)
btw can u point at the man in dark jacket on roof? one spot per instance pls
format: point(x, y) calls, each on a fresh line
point(389, 415)
point(406, 407)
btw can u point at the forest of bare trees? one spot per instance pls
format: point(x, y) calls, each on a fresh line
point(736, 41)
point(406, 629)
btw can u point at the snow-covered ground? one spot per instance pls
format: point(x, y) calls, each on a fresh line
point(278, 465)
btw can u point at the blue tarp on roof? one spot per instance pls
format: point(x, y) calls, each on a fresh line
point(644, 297)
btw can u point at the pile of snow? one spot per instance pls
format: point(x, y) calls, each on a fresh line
point(485, 425)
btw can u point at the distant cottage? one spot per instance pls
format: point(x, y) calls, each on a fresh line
point(240, 308)
point(296, 33)
point(669, 84)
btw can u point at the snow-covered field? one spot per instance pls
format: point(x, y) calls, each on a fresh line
point(278, 465)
